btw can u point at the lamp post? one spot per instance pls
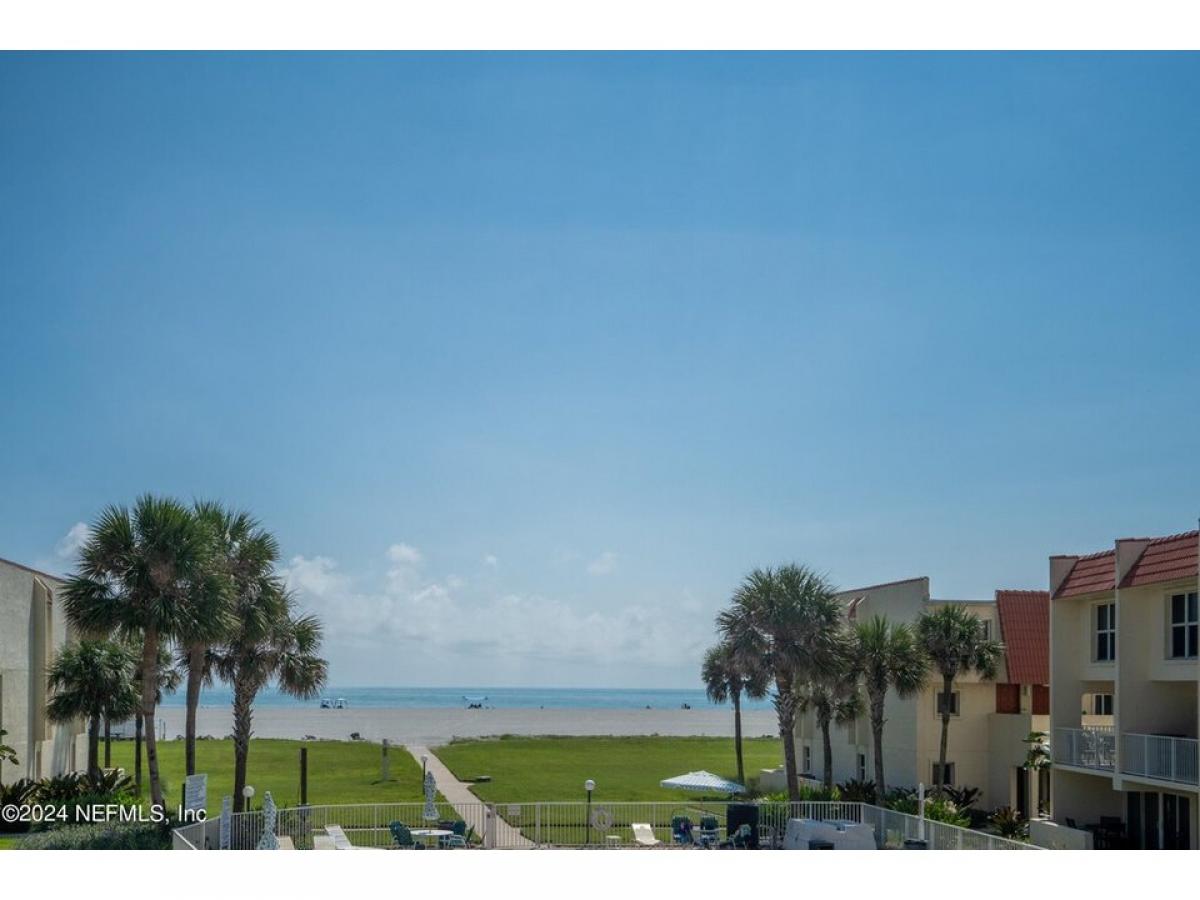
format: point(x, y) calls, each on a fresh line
point(589, 786)
point(424, 760)
point(248, 796)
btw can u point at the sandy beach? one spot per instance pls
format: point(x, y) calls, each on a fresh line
point(435, 726)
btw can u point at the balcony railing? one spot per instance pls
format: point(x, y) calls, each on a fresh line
point(1162, 757)
point(1087, 748)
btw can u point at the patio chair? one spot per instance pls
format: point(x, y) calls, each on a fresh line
point(402, 837)
point(643, 835)
point(740, 839)
point(681, 830)
point(709, 830)
point(458, 839)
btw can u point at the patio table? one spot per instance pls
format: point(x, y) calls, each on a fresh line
point(431, 833)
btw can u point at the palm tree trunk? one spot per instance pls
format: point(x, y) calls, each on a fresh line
point(877, 746)
point(827, 750)
point(195, 659)
point(149, 688)
point(242, 711)
point(737, 735)
point(947, 683)
point(139, 725)
point(93, 762)
point(785, 710)
point(107, 742)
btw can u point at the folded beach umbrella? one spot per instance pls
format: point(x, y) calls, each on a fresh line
point(430, 813)
point(702, 782)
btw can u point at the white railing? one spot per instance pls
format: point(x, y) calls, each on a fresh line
point(1162, 757)
point(1088, 748)
point(576, 824)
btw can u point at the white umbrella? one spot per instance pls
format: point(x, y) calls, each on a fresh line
point(702, 782)
point(430, 813)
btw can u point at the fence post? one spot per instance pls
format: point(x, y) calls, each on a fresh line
point(537, 823)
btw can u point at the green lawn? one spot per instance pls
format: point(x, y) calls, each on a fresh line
point(338, 771)
point(527, 769)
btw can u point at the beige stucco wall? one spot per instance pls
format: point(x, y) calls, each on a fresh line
point(32, 629)
point(913, 731)
point(1152, 694)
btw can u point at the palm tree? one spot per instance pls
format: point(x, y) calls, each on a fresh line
point(91, 680)
point(887, 657)
point(784, 623)
point(955, 642)
point(241, 552)
point(835, 699)
point(169, 679)
point(724, 679)
point(136, 577)
point(269, 643)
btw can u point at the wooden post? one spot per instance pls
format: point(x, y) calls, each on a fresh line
point(385, 768)
point(304, 776)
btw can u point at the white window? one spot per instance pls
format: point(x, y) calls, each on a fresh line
point(940, 703)
point(1185, 626)
point(1102, 704)
point(1106, 632)
point(948, 778)
point(987, 629)
point(862, 767)
point(807, 759)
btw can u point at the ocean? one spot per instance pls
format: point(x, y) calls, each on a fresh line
point(498, 698)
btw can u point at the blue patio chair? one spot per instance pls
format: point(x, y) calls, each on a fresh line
point(681, 829)
point(402, 837)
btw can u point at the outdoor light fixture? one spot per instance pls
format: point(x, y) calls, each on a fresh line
point(248, 794)
point(589, 786)
point(424, 759)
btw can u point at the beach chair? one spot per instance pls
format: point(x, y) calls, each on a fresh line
point(709, 831)
point(402, 837)
point(643, 835)
point(681, 830)
point(323, 842)
point(340, 841)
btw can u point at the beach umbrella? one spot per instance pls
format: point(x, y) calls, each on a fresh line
point(430, 813)
point(702, 782)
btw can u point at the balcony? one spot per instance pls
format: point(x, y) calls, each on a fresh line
point(1086, 748)
point(1162, 757)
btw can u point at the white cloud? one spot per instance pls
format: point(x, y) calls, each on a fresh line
point(406, 612)
point(404, 554)
point(72, 542)
point(604, 564)
point(490, 560)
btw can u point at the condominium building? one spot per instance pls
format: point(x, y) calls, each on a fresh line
point(1125, 684)
point(990, 720)
point(33, 628)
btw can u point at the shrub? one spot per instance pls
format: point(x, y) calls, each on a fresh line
point(962, 797)
point(19, 793)
point(101, 837)
point(1008, 823)
point(855, 791)
point(937, 809)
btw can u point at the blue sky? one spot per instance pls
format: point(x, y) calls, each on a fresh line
point(527, 359)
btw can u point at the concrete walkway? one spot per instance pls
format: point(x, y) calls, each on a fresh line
point(467, 804)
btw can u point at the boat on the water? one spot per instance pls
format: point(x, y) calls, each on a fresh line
point(339, 703)
point(475, 702)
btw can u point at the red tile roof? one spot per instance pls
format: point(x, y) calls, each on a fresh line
point(1097, 572)
point(1166, 559)
point(1025, 631)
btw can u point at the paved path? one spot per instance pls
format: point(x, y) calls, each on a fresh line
point(465, 803)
